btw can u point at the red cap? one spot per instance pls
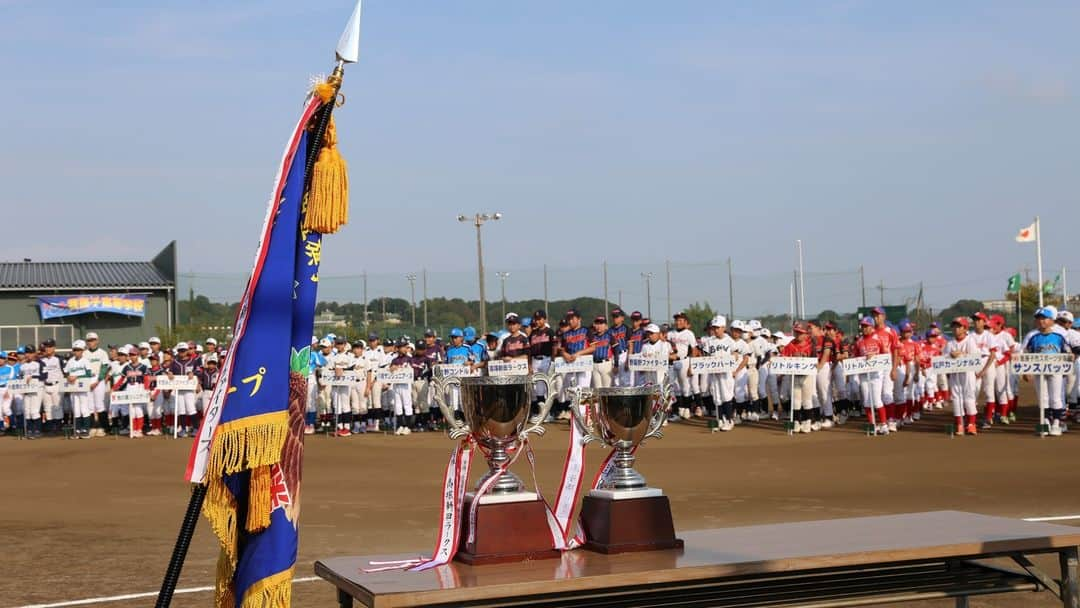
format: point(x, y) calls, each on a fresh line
point(980, 315)
point(799, 328)
point(997, 320)
point(962, 321)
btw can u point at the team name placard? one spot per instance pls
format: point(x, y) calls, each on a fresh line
point(959, 365)
point(1032, 364)
point(404, 376)
point(128, 397)
point(454, 370)
point(176, 383)
point(81, 385)
point(645, 363)
point(866, 365)
point(348, 377)
point(513, 367)
point(561, 366)
point(715, 364)
point(793, 366)
point(25, 387)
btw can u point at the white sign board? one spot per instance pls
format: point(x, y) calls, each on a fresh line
point(81, 385)
point(716, 364)
point(451, 370)
point(176, 383)
point(793, 366)
point(1031, 364)
point(644, 363)
point(404, 376)
point(513, 367)
point(561, 366)
point(866, 365)
point(347, 378)
point(959, 365)
point(129, 396)
point(25, 387)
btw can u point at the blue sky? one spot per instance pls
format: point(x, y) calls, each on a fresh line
point(914, 138)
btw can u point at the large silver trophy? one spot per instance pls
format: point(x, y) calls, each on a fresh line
point(622, 418)
point(496, 412)
point(624, 513)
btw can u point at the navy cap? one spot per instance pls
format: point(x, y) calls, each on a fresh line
point(429, 333)
point(540, 314)
point(372, 337)
point(573, 312)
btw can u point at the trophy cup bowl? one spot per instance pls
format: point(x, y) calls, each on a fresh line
point(623, 513)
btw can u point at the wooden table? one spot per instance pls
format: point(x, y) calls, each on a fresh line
point(839, 562)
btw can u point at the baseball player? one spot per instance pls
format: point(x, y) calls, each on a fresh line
point(762, 348)
point(207, 375)
point(52, 372)
point(963, 385)
point(683, 343)
point(903, 389)
point(573, 344)
point(542, 343)
point(515, 345)
point(341, 361)
point(1003, 346)
point(78, 369)
point(30, 369)
point(358, 392)
point(620, 346)
point(599, 340)
point(772, 382)
point(721, 385)
point(740, 349)
point(184, 365)
point(984, 340)
point(99, 364)
point(1072, 340)
point(377, 358)
point(838, 382)
point(655, 347)
point(869, 345)
point(825, 350)
point(135, 376)
point(9, 370)
point(887, 336)
point(802, 387)
point(402, 393)
point(1045, 340)
point(161, 411)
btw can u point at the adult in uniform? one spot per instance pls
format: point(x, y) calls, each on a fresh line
point(620, 337)
point(599, 340)
point(573, 344)
point(78, 369)
point(683, 343)
point(542, 342)
point(30, 369)
point(99, 364)
point(52, 374)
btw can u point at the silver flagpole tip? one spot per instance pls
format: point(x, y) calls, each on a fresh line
point(348, 47)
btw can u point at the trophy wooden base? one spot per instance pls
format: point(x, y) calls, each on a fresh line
point(635, 524)
point(506, 532)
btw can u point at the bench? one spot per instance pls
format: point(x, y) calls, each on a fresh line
point(819, 564)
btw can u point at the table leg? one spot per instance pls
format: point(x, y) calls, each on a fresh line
point(1070, 585)
point(962, 601)
point(344, 599)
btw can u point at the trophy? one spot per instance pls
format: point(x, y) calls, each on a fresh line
point(624, 513)
point(511, 522)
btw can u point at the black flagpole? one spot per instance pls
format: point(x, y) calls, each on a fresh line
point(198, 492)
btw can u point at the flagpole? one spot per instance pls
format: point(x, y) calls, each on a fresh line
point(1064, 290)
point(1038, 258)
point(198, 491)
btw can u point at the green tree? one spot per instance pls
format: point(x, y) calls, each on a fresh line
point(699, 315)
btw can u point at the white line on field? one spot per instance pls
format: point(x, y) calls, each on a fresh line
point(1054, 518)
point(135, 596)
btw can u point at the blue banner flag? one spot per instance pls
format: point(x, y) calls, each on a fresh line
point(250, 444)
point(129, 304)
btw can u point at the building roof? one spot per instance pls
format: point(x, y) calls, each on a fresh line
point(24, 276)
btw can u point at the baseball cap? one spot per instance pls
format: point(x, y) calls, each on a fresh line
point(935, 325)
point(564, 323)
point(636, 315)
point(133, 351)
point(214, 341)
point(779, 335)
point(339, 340)
point(878, 310)
point(997, 320)
point(540, 313)
point(830, 325)
point(765, 332)
point(961, 321)
point(211, 358)
point(457, 333)
point(755, 324)
point(49, 342)
point(1065, 315)
point(981, 316)
point(470, 333)
point(600, 319)
point(1046, 312)
point(145, 345)
point(372, 337)
point(182, 346)
point(679, 315)
point(573, 312)
point(905, 326)
point(618, 312)
point(799, 328)
point(325, 342)
point(737, 325)
point(429, 333)
point(718, 321)
point(91, 336)
point(154, 340)
point(651, 328)
point(403, 341)
point(866, 322)
point(511, 317)
point(526, 321)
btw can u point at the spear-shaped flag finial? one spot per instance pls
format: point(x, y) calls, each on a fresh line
point(348, 47)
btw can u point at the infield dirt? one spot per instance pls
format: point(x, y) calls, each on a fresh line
point(84, 519)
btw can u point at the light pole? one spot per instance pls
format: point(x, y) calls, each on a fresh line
point(502, 278)
point(412, 294)
point(478, 220)
point(648, 292)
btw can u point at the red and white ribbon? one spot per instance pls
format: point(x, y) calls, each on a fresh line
point(570, 487)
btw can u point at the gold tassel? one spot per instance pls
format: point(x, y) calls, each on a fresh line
point(258, 511)
point(328, 197)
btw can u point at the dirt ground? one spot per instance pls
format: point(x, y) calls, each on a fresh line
point(83, 519)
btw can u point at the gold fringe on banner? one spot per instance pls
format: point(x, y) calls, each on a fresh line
point(328, 196)
point(258, 510)
point(271, 592)
point(249, 442)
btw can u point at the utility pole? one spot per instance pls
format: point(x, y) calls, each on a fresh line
point(881, 291)
point(478, 220)
point(802, 281)
point(424, 274)
point(365, 301)
point(795, 313)
point(731, 290)
point(605, 289)
point(667, 263)
point(647, 276)
point(620, 299)
point(412, 294)
point(191, 305)
point(545, 290)
point(862, 284)
point(502, 278)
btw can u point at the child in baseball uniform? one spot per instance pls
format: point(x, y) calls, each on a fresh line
point(1003, 347)
point(99, 364)
point(904, 389)
point(8, 372)
point(402, 393)
point(358, 392)
point(802, 387)
point(1044, 340)
point(183, 366)
point(962, 385)
point(721, 385)
point(683, 344)
point(870, 345)
point(654, 347)
point(135, 376)
point(52, 372)
point(340, 362)
point(78, 370)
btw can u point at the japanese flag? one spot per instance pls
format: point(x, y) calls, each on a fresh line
point(1026, 235)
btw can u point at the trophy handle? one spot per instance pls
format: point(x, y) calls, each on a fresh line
point(580, 395)
point(455, 429)
point(536, 423)
point(664, 390)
